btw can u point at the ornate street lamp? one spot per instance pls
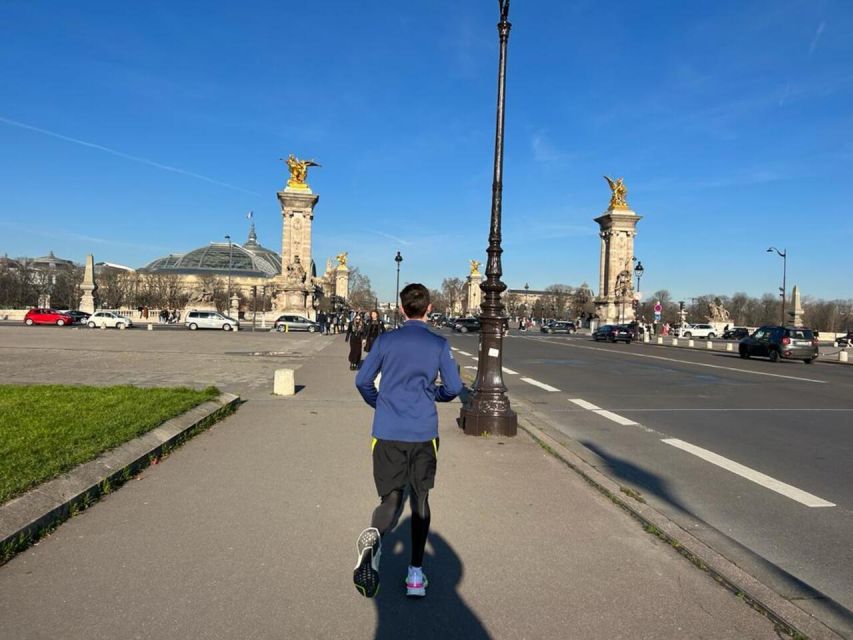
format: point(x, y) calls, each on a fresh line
point(398, 259)
point(784, 255)
point(487, 409)
point(638, 271)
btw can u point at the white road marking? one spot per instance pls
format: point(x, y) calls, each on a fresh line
point(541, 385)
point(454, 349)
point(468, 366)
point(510, 371)
point(750, 474)
point(604, 413)
point(615, 417)
point(583, 404)
point(464, 353)
point(475, 358)
point(698, 364)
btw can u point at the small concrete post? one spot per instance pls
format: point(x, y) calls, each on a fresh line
point(842, 356)
point(284, 384)
point(690, 343)
point(709, 345)
point(660, 340)
point(730, 346)
point(675, 342)
point(646, 337)
point(150, 327)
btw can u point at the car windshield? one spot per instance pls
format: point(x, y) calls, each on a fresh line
point(800, 334)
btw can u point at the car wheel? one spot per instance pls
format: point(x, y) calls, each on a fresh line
point(550, 331)
point(463, 330)
point(280, 328)
point(612, 340)
point(28, 322)
point(809, 360)
point(119, 325)
point(688, 335)
point(312, 329)
point(226, 327)
point(60, 323)
point(192, 326)
point(711, 336)
point(627, 342)
point(743, 352)
point(92, 325)
point(773, 355)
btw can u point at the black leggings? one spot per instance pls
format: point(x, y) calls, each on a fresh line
point(386, 515)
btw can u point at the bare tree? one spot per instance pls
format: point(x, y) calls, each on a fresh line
point(453, 289)
point(361, 294)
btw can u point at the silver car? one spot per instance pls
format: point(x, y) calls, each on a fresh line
point(210, 320)
point(296, 323)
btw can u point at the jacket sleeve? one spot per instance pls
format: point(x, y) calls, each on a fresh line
point(364, 380)
point(451, 383)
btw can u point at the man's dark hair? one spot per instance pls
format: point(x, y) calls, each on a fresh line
point(415, 300)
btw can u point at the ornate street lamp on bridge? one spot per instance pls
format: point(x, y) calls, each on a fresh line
point(784, 255)
point(398, 259)
point(488, 409)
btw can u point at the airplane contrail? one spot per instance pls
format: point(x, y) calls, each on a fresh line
point(126, 156)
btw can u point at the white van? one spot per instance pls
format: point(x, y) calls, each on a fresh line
point(210, 320)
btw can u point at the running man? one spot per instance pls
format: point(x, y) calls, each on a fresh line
point(405, 433)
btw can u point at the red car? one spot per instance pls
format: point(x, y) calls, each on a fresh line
point(47, 316)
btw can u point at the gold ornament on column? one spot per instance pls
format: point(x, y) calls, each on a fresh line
point(617, 200)
point(298, 172)
point(475, 267)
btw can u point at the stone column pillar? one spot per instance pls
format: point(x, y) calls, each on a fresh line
point(342, 281)
point(87, 300)
point(474, 293)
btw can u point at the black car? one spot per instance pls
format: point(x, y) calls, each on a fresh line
point(79, 317)
point(559, 326)
point(738, 333)
point(465, 325)
point(845, 341)
point(775, 342)
point(613, 333)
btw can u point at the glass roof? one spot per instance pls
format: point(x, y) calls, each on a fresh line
point(221, 258)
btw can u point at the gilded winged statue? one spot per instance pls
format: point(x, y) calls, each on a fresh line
point(342, 259)
point(298, 171)
point(475, 267)
point(617, 199)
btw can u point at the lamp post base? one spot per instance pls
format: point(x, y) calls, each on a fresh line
point(483, 417)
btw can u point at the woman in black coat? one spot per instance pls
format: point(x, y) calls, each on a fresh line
point(372, 330)
point(355, 334)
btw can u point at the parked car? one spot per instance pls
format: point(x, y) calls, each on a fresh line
point(735, 333)
point(109, 319)
point(844, 341)
point(47, 316)
point(698, 331)
point(466, 325)
point(296, 323)
point(210, 320)
point(559, 326)
point(775, 342)
point(613, 333)
point(79, 317)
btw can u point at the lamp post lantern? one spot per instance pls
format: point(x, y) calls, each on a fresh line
point(230, 262)
point(398, 259)
point(487, 409)
point(638, 271)
point(784, 255)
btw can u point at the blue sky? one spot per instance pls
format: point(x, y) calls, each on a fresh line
point(731, 122)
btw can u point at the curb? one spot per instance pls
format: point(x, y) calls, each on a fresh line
point(795, 621)
point(27, 518)
point(820, 360)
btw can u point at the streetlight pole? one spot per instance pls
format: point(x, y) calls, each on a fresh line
point(487, 409)
point(230, 261)
point(784, 255)
point(398, 259)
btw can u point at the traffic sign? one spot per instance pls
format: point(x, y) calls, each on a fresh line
point(658, 308)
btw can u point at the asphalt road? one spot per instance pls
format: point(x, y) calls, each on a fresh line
point(755, 458)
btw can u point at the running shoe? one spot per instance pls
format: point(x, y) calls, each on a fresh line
point(416, 582)
point(366, 573)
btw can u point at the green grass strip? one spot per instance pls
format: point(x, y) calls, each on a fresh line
point(46, 430)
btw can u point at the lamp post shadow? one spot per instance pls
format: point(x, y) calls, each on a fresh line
point(442, 613)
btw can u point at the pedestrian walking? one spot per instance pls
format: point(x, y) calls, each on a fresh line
point(372, 330)
point(405, 433)
point(355, 336)
point(321, 320)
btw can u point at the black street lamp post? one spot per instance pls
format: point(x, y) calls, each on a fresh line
point(638, 271)
point(784, 255)
point(398, 259)
point(230, 261)
point(487, 409)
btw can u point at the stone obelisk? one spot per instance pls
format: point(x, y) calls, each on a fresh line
point(796, 311)
point(87, 300)
point(618, 228)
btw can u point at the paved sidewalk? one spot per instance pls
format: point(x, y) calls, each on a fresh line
point(248, 531)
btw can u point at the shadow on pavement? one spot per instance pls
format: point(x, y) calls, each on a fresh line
point(442, 613)
point(627, 470)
